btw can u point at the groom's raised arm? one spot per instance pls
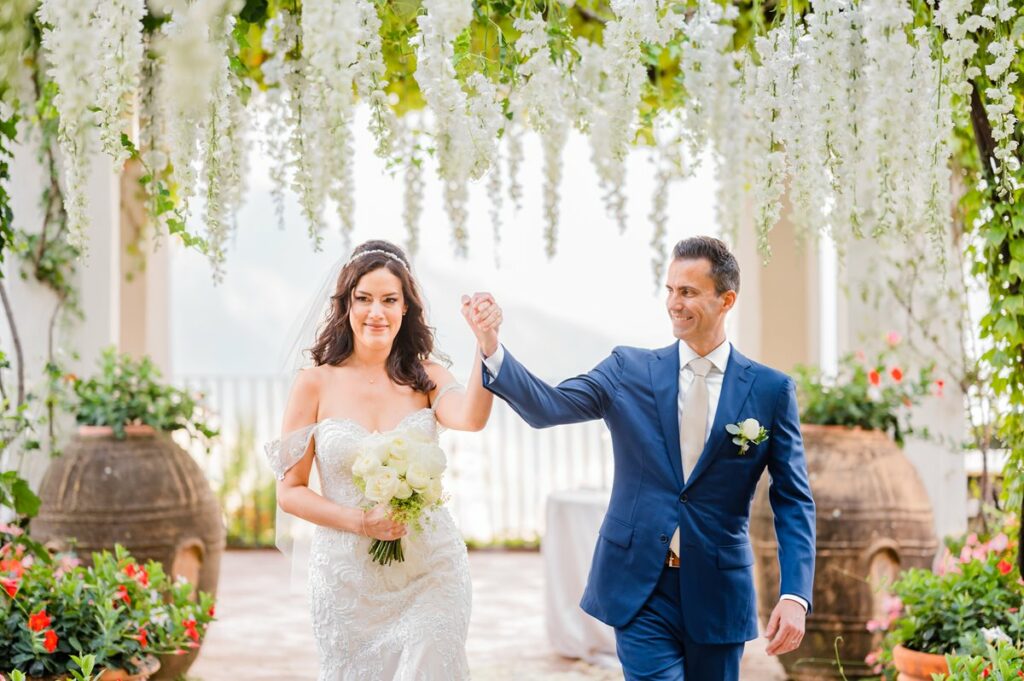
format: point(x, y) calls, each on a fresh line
point(583, 398)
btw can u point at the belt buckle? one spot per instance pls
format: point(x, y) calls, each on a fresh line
point(672, 560)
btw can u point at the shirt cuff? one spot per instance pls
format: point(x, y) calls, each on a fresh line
point(494, 362)
point(791, 597)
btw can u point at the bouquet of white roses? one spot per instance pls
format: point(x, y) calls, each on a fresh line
point(405, 474)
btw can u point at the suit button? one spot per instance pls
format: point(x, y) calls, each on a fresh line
point(664, 539)
point(683, 498)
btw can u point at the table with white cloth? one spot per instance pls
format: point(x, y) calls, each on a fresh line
point(573, 520)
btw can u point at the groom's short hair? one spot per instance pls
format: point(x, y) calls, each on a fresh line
point(725, 271)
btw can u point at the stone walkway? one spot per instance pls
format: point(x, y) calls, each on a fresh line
point(263, 632)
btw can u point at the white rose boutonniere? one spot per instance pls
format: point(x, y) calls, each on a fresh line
point(746, 433)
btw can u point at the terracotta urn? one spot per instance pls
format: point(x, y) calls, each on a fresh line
point(144, 492)
point(874, 519)
point(915, 666)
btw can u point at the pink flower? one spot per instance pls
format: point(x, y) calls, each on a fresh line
point(875, 625)
point(999, 543)
point(939, 385)
point(12, 530)
point(11, 586)
point(893, 338)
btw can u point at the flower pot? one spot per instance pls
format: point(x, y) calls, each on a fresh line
point(915, 666)
point(874, 519)
point(143, 492)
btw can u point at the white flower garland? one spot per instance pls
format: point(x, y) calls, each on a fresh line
point(370, 71)
point(282, 137)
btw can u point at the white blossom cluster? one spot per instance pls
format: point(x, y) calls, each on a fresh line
point(118, 65)
point(466, 120)
point(546, 102)
point(224, 165)
point(15, 80)
point(282, 139)
point(330, 40)
point(66, 37)
point(370, 71)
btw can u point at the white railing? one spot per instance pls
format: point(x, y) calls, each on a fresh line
point(498, 479)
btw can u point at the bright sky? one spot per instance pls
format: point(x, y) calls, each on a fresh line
point(563, 314)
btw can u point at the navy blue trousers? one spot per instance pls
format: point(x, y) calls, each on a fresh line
point(654, 646)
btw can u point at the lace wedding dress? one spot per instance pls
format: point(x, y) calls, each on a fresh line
point(404, 621)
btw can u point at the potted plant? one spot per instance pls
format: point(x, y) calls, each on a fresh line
point(873, 513)
point(53, 609)
point(1002, 660)
point(123, 480)
point(971, 601)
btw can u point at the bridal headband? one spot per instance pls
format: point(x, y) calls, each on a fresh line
point(388, 254)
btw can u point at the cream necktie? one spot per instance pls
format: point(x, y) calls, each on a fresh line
point(694, 425)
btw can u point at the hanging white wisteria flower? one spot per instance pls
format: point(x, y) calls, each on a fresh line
point(330, 40)
point(834, 99)
point(15, 81)
point(409, 135)
point(514, 141)
point(282, 131)
point(66, 37)
point(1000, 100)
point(888, 77)
point(223, 156)
point(118, 23)
point(466, 124)
point(708, 71)
point(191, 54)
point(545, 100)
point(372, 85)
point(765, 90)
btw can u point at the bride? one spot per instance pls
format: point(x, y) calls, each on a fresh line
point(373, 375)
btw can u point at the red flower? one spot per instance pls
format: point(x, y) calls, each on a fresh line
point(50, 641)
point(39, 620)
point(190, 629)
point(137, 573)
point(874, 377)
point(122, 595)
point(1005, 566)
point(896, 374)
point(986, 672)
point(13, 567)
point(142, 638)
point(939, 385)
point(10, 586)
point(212, 607)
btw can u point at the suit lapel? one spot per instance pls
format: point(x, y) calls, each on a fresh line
point(665, 382)
point(735, 387)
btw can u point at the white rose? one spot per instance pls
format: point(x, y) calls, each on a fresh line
point(417, 477)
point(431, 459)
point(404, 491)
point(433, 491)
point(365, 466)
point(750, 429)
point(398, 455)
point(381, 487)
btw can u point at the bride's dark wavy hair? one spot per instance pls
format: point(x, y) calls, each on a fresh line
point(414, 342)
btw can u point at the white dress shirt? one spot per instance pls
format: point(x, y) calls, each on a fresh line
point(719, 358)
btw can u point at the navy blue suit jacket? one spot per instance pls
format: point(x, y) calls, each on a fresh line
point(635, 392)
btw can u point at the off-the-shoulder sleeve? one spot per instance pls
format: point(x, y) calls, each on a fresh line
point(454, 385)
point(284, 453)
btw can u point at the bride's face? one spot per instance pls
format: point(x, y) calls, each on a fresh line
point(376, 309)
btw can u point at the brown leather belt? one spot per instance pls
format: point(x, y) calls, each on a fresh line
point(672, 560)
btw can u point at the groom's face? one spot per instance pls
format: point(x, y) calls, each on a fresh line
point(696, 310)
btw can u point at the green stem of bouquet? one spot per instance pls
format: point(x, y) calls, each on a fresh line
point(387, 552)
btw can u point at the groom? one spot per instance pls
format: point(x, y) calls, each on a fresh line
point(672, 570)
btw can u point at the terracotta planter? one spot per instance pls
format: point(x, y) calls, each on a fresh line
point(915, 666)
point(143, 492)
point(874, 519)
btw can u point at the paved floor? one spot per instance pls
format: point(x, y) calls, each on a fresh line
point(263, 632)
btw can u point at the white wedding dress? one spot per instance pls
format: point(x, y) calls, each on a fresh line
point(404, 621)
